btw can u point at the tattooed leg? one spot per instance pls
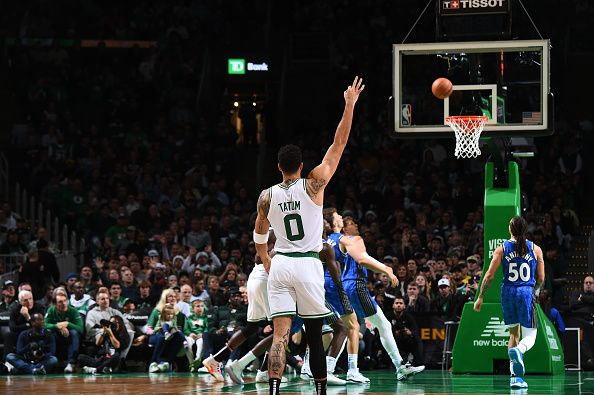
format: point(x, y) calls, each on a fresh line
point(277, 356)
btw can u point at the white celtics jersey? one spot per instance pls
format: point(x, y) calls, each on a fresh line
point(297, 221)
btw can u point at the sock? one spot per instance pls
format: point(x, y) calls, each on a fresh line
point(274, 384)
point(384, 327)
point(264, 364)
point(353, 361)
point(321, 386)
point(244, 361)
point(528, 339)
point(306, 361)
point(330, 363)
point(199, 343)
point(223, 354)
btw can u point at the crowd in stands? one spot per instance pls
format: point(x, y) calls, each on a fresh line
point(111, 142)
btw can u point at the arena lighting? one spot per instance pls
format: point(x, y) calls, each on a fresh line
point(235, 104)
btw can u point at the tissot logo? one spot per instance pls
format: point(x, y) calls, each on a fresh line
point(467, 4)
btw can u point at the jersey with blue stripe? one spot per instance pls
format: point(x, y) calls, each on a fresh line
point(518, 270)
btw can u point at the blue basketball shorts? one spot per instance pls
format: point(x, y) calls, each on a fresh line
point(363, 303)
point(518, 305)
point(337, 298)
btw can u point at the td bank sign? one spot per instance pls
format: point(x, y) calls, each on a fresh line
point(241, 66)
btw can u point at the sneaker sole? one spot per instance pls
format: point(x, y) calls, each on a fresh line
point(236, 379)
point(519, 385)
point(353, 381)
point(514, 356)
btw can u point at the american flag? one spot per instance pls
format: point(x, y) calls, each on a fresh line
point(532, 117)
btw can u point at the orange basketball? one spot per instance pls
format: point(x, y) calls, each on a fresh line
point(441, 88)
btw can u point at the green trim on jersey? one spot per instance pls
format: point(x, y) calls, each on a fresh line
point(282, 314)
point(309, 254)
point(283, 186)
point(306, 316)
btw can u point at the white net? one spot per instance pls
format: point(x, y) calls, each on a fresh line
point(468, 132)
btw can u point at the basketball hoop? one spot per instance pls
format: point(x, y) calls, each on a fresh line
point(468, 131)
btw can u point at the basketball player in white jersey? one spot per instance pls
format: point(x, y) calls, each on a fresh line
point(296, 282)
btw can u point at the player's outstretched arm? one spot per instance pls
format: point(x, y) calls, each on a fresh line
point(261, 229)
point(321, 174)
point(356, 248)
point(488, 277)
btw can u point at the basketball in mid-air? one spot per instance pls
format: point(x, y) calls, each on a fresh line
point(442, 88)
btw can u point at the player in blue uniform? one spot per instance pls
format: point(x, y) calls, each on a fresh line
point(351, 249)
point(523, 275)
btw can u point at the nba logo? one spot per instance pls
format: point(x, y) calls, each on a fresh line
point(406, 115)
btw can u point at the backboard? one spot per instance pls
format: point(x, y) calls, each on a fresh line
point(507, 81)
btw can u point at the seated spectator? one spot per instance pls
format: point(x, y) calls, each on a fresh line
point(406, 331)
point(67, 325)
point(467, 294)
point(416, 303)
point(474, 264)
point(81, 301)
point(197, 328)
point(20, 319)
point(445, 303)
point(47, 298)
point(581, 305)
point(115, 295)
point(8, 296)
point(422, 284)
point(166, 334)
point(226, 319)
point(36, 349)
point(145, 300)
point(185, 298)
point(544, 299)
point(71, 279)
point(112, 339)
point(101, 311)
point(86, 277)
point(128, 284)
point(215, 293)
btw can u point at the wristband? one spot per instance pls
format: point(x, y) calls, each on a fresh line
point(260, 239)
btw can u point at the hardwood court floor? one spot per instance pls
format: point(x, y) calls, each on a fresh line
point(382, 382)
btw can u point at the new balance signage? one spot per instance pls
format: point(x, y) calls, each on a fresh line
point(494, 334)
point(458, 7)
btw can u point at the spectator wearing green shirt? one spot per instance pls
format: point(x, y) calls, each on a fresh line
point(66, 322)
point(196, 327)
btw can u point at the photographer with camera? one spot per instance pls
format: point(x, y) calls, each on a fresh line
point(101, 311)
point(111, 340)
point(36, 349)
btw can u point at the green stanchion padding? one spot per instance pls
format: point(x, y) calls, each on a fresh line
point(482, 337)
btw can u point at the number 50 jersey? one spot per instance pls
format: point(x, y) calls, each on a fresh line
point(518, 270)
point(297, 221)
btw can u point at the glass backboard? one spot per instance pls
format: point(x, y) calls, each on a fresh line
point(507, 81)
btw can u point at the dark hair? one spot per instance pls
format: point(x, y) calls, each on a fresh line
point(289, 158)
point(518, 227)
point(121, 330)
point(328, 214)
